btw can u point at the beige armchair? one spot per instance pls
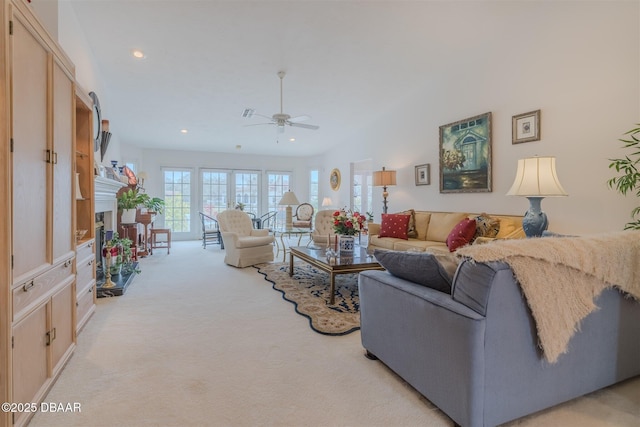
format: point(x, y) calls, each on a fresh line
point(323, 227)
point(243, 244)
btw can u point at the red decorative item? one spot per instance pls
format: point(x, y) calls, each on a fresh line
point(461, 234)
point(394, 225)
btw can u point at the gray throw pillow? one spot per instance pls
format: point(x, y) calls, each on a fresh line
point(418, 267)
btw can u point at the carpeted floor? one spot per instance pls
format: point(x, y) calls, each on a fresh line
point(196, 343)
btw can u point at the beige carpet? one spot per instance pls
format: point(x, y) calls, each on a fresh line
point(196, 343)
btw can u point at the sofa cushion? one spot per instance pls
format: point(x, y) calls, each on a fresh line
point(422, 224)
point(486, 226)
point(394, 225)
point(510, 228)
point(417, 245)
point(441, 224)
point(462, 234)
point(419, 267)
point(411, 226)
point(384, 243)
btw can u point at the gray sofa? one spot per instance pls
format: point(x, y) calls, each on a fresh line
point(474, 353)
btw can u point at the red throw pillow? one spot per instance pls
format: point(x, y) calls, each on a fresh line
point(394, 225)
point(461, 234)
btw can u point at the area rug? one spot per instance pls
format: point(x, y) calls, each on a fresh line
point(308, 291)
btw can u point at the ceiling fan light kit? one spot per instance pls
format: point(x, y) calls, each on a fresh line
point(281, 119)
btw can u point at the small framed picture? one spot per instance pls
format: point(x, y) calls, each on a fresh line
point(423, 174)
point(526, 127)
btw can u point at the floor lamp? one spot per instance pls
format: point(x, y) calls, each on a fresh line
point(288, 199)
point(536, 178)
point(384, 178)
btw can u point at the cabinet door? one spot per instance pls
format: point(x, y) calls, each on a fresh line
point(30, 356)
point(62, 329)
point(30, 170)
point(63, 180)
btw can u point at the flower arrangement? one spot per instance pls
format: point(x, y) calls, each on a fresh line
point(348, 223)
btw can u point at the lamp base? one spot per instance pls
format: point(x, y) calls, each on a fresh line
point(534, 221)
point(289, 218)
point(385, 194)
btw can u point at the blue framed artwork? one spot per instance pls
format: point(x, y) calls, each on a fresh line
point(465, 155)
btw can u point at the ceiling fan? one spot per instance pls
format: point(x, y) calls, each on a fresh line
point(280, 119)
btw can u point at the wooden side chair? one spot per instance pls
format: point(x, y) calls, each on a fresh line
point(303, 216)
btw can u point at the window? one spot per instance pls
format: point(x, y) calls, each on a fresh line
point(177, 199)
point(278, 184)
point(247, 191)
point(214, 192)
point(314, 189)
point(362, 189)
point(225, 189)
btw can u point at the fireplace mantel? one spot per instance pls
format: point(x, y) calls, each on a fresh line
point(105, 199)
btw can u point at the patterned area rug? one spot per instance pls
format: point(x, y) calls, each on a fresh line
point(308, 290)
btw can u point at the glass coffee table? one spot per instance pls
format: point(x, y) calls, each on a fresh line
point(316, 256)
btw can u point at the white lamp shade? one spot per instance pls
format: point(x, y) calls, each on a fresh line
point(289, 198)
point(537, 177)
point(327, 201)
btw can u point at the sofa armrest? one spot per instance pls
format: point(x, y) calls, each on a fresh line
point(260, 232)
point(373, 228)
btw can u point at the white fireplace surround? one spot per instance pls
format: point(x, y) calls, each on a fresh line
point(105, 200)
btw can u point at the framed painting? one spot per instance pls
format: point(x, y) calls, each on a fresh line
point(525, 127)
point(423, 174)
point(465, 155)
point(334, 179)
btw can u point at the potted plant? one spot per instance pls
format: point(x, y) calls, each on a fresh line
point(121, 255)
point(154, 205)
point(128, 202)
point(629, 180)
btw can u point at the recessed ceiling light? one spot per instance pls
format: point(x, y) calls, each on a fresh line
point(292, 139)
point(138, 54)
point(183, 131)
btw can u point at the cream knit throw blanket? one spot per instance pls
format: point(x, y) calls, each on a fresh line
point(561, 277)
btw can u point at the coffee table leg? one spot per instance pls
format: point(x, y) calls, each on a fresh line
point(290, 264)
point(332, 288)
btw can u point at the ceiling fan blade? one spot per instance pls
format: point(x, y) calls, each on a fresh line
point(303, 125)
point(299, 119)
point(258, 124)
point(262, 115)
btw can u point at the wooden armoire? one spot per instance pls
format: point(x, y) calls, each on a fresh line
point(46, 121)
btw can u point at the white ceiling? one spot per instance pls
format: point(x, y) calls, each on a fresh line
point(347, 62)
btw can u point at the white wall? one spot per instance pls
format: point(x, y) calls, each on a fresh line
point(579, 62)
point(72, 39)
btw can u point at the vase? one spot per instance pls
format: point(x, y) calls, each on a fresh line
point(347, 244)
point(128, 216)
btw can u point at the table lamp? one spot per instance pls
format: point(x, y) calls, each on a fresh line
point(536, 179)
point(383, 179)
point(327, 202)
point(288, 199)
